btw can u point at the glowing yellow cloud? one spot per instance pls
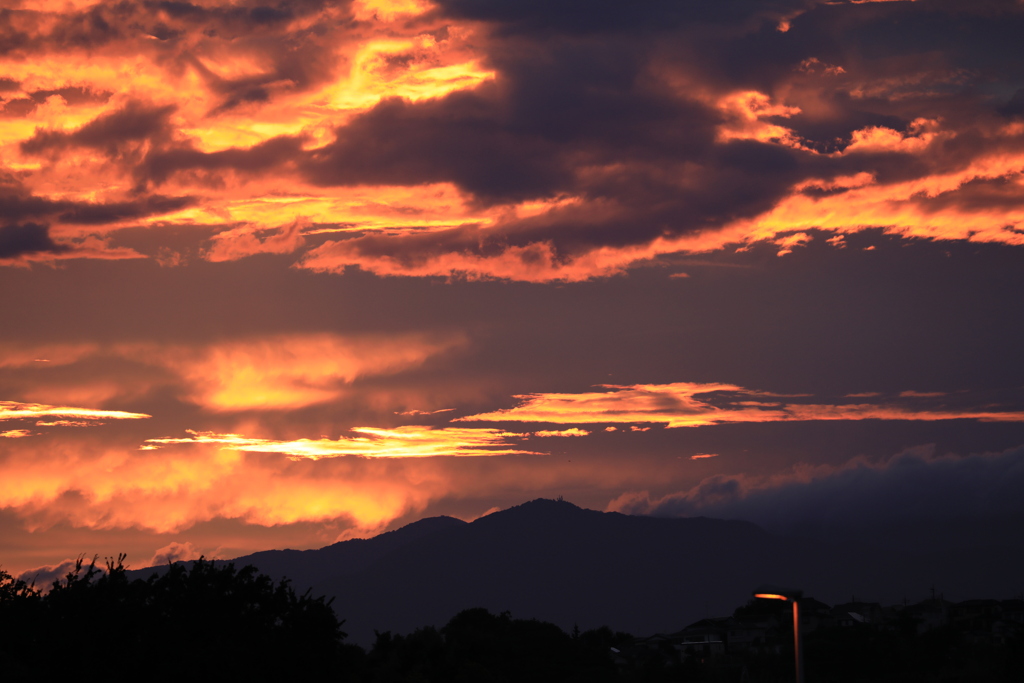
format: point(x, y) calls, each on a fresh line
point(573, 431)
point(400, 442)
point(10, 410)
point(389, 10)
point(423, 75)
point(179, 483)
point(293, 370)
point(271, 372)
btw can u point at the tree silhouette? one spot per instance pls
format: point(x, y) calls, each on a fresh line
point(205, 620)
point(477, 646)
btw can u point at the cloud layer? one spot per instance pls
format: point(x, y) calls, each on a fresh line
point(684, 404)
point(913, 486)
point(530, 144)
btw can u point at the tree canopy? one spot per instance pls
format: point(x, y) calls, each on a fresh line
point(204, 619)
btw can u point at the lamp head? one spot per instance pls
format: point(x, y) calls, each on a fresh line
point(770, 592)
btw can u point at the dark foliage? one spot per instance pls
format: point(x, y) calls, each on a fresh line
point(949, 654)
point(204, 621)
point(479, 646)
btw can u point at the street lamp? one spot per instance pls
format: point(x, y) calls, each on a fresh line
point(793, 596)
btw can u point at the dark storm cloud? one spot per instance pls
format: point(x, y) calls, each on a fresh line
point(134, 122)
point(18, 106)
point(160, 164)
point(580, 117)
point(557, 105)
point(1014, 107)
point(300, 58)
point(44, 577)
point(898, 59)
point(580, 107)
point(583, 16)
point(27, 238)
point(93, 27)
point(72, 95)
point(17, 204)
point(873, 64)
point(239, 16)
point(914, 485)
point(979, 194)
point(458, 139)
point(100, 214)
point(741, 180)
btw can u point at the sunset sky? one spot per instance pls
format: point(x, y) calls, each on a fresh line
point(278, 275)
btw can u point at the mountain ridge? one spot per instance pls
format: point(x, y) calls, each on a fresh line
point(555, 561)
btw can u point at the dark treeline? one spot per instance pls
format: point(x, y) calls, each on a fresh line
point(207, 621)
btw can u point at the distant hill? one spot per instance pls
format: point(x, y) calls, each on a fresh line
point(557, 562)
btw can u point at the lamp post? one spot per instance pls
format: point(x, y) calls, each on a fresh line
point(793, 596)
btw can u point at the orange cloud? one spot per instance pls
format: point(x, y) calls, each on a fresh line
point(289, 371)
point(424, 412)
point(282, 371)
point(685, 404)
point(10, 410)
point(534, 262)
point(789, 242)
point(248, 240)
point(174, 486)
point(74, 247)
point(167, 491)
point(400, 442)
point(943, 205)
point(744, 113)
point(67, 423)
point(920, 133)
point(574, 431)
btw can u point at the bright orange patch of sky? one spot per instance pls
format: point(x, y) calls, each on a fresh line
point(401, 442)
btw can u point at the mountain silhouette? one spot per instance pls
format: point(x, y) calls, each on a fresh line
point(315, 568)
point(554, 561)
